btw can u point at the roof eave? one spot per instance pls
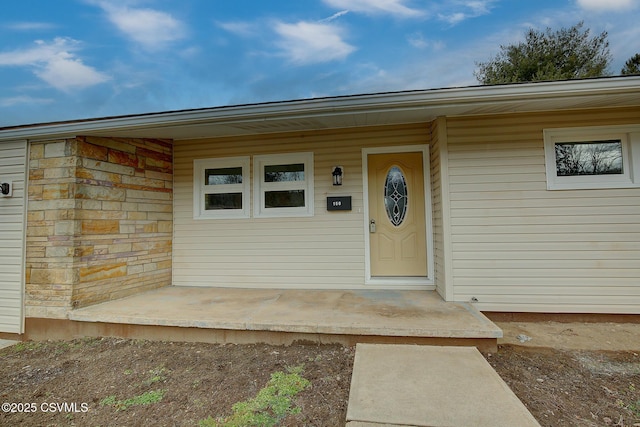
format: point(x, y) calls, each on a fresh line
point(461, 100)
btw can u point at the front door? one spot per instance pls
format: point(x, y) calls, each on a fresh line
point(397, 222)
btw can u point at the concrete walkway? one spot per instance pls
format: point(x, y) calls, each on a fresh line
point(408, 385)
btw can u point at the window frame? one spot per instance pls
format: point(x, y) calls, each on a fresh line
point(201, 189)
point(260, 186)
point(630, 146)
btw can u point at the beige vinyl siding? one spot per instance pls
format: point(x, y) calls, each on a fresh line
point(324, 251)
point(517, 246)
point(437, 127)
point(12, 167)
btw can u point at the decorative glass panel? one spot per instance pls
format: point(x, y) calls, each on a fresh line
point(284, 199)
point(221, 176)
point(589, 158)
point(222, 201)
point(395, 196)
point(284, 173)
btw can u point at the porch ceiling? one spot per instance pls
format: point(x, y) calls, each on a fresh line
point(349, 111)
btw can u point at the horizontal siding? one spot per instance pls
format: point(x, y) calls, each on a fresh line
point(517, 246)
point(324, 251)
point(12, 167)
point(437, 209)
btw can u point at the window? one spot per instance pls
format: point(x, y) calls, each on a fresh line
point(584, 158)
point(283, 185)
point(395, 196)
point(221, 188)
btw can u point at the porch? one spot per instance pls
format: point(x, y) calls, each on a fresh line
point(226, 315)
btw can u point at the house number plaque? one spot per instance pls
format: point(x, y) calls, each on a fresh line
point(339, 203)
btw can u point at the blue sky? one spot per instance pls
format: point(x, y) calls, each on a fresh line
point(72, 59)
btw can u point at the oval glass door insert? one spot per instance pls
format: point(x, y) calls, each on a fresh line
point(395, 196)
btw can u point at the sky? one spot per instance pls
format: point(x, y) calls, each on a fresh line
point(75, 59)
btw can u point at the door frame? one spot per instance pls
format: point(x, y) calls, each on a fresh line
point(400, 283)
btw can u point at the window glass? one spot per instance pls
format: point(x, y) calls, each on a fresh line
point(284, 173)
point(222, 176)
point(589, 158)
point(592, 157)
point(221, 188)
point(284, 199)
point(283, 185)
point(395, 196)
point(223, 201)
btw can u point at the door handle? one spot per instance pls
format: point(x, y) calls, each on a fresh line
point(372, 226)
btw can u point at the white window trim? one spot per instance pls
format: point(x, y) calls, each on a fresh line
point(260, 187)
point(200, 189)
point(630, 137)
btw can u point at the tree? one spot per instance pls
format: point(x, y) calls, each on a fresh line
point(594, 158)
point(632, 66)
point(569, 53)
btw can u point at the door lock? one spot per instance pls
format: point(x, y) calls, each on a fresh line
point(372, 226)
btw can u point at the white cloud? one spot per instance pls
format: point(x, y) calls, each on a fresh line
point(26, 100)
point(152, 29)
point(603, 5)
point(335, 16)
point(463, 10)
point(418, 41)
point(392, 7)
point(30, 26)
point(239, 28)
point(311, 42)
point(56, 64)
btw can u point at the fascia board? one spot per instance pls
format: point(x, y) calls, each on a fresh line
point(379, 103)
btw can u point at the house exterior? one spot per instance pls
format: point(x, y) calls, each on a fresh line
point(515, 198)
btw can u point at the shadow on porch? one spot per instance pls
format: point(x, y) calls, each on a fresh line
point(284, 316)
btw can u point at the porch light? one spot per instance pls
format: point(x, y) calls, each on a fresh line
point(337, 175)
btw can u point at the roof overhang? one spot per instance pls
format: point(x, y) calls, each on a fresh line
point(349, 111)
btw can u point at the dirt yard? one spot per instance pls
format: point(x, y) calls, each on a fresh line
point(109, 382)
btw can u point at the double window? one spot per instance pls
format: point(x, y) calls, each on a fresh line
point(583, 158)
point(282, 186)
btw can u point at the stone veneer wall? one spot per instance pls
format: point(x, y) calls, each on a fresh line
point(99, 221)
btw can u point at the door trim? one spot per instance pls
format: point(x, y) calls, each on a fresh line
point(400, 283)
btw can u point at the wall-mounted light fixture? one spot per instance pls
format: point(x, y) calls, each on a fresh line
point(6, 189)
point(337, 173)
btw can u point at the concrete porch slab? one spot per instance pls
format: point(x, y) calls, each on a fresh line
point(364, 313)
point(409, 385)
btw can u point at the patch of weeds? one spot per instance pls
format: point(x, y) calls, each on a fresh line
point(62, 347)
point(87, 342)
point(157, 375)
point(28, 346)
point(147, 398)
point(634, 406)
point(65, 346)
point(271, 405)
point(315, 359)
point(128, 371)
